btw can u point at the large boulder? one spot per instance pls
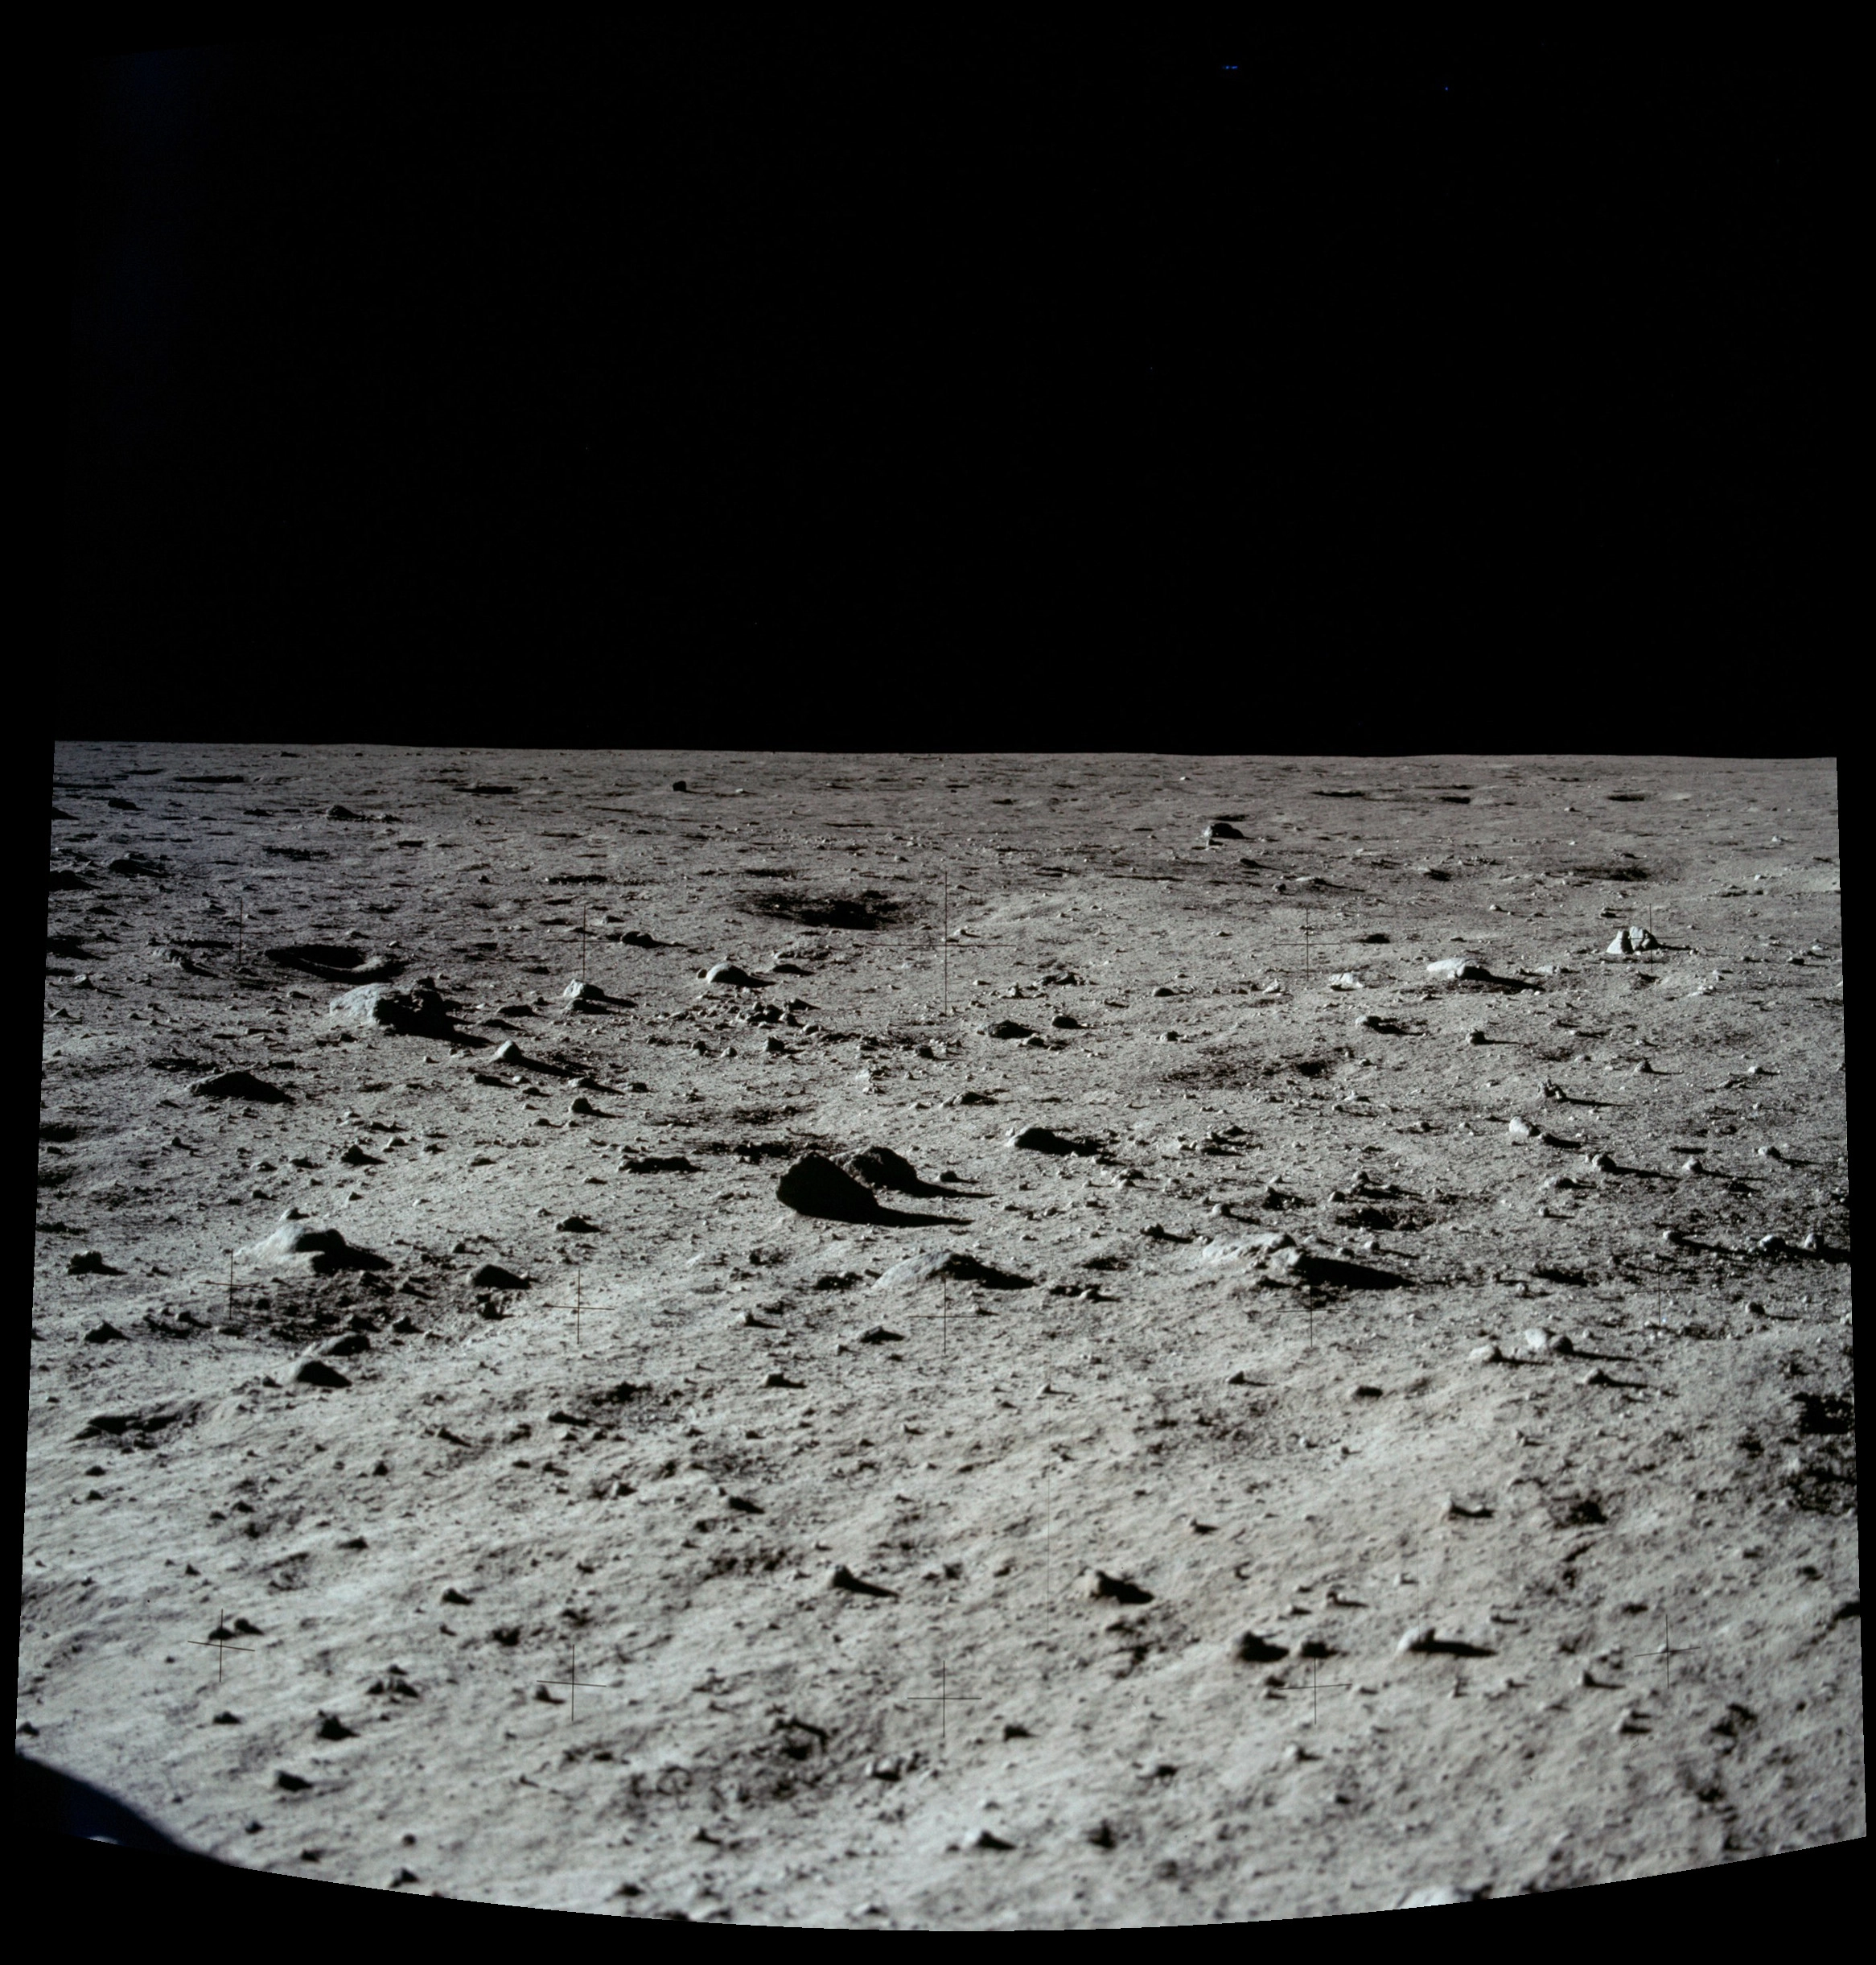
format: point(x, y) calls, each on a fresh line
point(313, 1250)
point(814, 1185)
point(414, 1012)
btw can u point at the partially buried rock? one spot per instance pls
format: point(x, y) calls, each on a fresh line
point(415, 1013)
point(90, 1263)
point(492, 1276)
point(1254, 1650)
point(1221, 829)
point(814, 1185)
point(1098, 1584)
point(105, 1333)
point(1455, 969)
point(1008, 1029)
point(880, 1166)
point(313, 1372)
point(726, 976)
point(1044, 1139)
point(575, 1225)
point(879, 1334)
point(935, 1264)
point(658, 1163)
point(1308, 1267)
point(322, 1252)
point(843, 1579)
point(239, 1085)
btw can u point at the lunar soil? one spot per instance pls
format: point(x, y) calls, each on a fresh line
point(565, 1372)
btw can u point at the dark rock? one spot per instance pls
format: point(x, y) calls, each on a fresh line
point(492, 1276)
point(105, 1333)
point(356, 1156)
point(324, 1251)
point(1007, 1029)
point(333, 1727)
point(1044, 1139)
point(1219, 829)
point(658, 1163)
point(1099, 1584)
point(1308, 1267)
point(814, 1185)
point(575, 1225)
point(349, 1345)
point(89, 1262)
point(134, 863)
point(879, 1334)
point(843, 1579)
point(342, 812)
point(1065, 1022)
point(313, 1372)
point(239, 1085)
point(879, 1167)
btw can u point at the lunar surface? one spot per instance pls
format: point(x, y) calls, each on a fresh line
point(567, 1371)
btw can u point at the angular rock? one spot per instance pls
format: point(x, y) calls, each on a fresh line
point(1420, 1637)
point(1045, 1139)
point(106, 1332)
point(843, 1579)
point(1254, 1650)
point(492, 1276)
point(415, 1013)
point(239, 1085)
point(879, 1167)
point(1250, 1248)
point(323, 1251)
point(879, 1334)
point(933, 1264)
point(1456, 969)
point(1306, 1266)
point(726, 976)
point(1097, 1583)
point(576, 1225)
point(814, 1185)
point(313, 1372)
point(1221, 829)
point(89, 1262)
point(658, 1162)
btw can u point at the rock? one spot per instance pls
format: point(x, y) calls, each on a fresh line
point(357, 1157)
point(1252, 1649)
point(1098, 1584)
point(779, 1382)
point(1066, 1022)
point(1456, 969)
point(1044, 1139)
point(1519, 1130)
point(350, 1345)
point(313, 1372)
point(1598, 1376)
point(1486, 1354)
point(239, 1085)
point(1552, 1342)
point(1007, 1029)
point(933, 1264)
point(1221, 829)
point(1431, 1893)
point(323, 1250)
point(880, 1166)
point(1420, 1637)
point(726, 976)
point(106, 1332)
point(1363, 1392)
point(843, 1579)
point(89, 1262)
point(658, 1162)
point(815, 1186)
point(1602, 1162)
point(577, 991)
point(492, 1276)
point(1306, 1266)
point(1251, 1247)
point(508, 1053)
point(342, 812)
point(879, 1334)
point(576, 1225)
point(580, 1108)
point(415, 1013)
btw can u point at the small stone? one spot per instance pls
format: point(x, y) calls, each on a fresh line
point(1221, 829)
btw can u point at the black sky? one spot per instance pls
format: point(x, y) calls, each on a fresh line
point(477, 363)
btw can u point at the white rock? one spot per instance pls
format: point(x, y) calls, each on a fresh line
point(1519, 1130)
point(1455, 969)
point(1416, 1638)
point(1430, 1894)
point(1485, 1354)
